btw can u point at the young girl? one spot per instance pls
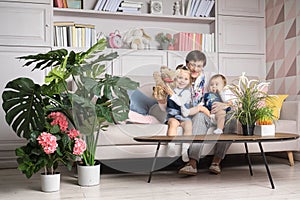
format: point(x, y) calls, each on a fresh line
point(178, 104)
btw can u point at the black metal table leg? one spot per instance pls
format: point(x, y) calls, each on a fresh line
point(248, 158)
point(266, 165)
point(154, 161)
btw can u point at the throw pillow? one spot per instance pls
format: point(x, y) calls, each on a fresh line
point(139, 102)
point(275, 102)
point(137, 118)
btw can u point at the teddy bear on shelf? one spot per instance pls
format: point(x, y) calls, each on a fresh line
point(137, 39)
point(166, 77)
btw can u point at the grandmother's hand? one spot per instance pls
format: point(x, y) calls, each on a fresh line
point(217, 106)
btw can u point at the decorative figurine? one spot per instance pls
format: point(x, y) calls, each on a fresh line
point(177, 8)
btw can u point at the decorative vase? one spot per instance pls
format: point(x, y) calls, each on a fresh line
point(165, 45)
point(88, 175)
point(50, 182)
point(248, 129)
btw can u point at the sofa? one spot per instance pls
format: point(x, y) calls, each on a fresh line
point(118, 143)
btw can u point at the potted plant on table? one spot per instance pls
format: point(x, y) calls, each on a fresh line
point(94, 100)
point(248, 102)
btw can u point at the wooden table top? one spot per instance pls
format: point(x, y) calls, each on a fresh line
point(235, 138)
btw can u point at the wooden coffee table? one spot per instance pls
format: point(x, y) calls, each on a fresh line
point(229, 138)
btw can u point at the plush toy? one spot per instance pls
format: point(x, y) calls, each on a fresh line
point(166, 77)
point(137, 39)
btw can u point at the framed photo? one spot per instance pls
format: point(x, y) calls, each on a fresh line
point(77, 4)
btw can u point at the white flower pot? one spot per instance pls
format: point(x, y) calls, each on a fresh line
point(50, 182)
point(264, 130)
point(88, 175)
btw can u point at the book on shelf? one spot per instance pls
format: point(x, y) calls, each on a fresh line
point(116, 5)
point(66, 23)
point(209, 8)
point(194, 7)
point(183, 7)
point(76, 4)
point(129, 10)
point(70, 34)
point(131, 5)
point(65, 3)
point(201, 8)
point(188, 7)
point(186, 41)
point(58, 3)
point(99, 5)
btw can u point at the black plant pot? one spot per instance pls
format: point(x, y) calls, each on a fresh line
point(248, 129)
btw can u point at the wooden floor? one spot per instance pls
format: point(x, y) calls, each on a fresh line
point(235, 182)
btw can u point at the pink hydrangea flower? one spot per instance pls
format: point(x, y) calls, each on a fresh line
point(48, 142)
point(59, 119)
point(79, 147)
point(73, 133)
point(169, 36)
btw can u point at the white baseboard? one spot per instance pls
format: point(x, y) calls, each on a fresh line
point(8, 157)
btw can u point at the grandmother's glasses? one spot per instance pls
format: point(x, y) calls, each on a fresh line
point(195, 65)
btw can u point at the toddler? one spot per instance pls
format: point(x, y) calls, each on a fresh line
point(216, 94)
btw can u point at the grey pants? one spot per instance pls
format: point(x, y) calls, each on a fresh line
point(201, 123)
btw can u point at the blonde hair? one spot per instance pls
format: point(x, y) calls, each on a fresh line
point(183, 69)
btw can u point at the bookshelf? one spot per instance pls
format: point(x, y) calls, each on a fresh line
point(107, 22)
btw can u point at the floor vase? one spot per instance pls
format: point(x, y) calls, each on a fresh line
point(50, 182)
point(88, 175)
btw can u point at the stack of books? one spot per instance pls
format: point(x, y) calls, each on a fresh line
point(69, 34)
point(199, 8)
point(185, 41)
point(130, 7)
point(108, 5)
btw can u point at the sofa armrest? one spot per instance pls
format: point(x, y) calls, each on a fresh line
point(291, 111)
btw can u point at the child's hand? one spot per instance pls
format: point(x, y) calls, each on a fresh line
point(204, 110)
point(168, 90)
point(217, 106)
point(162, 101)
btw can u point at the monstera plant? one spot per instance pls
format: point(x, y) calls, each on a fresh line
point(76, 85)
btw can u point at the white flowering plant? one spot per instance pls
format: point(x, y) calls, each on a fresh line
point(249, 100)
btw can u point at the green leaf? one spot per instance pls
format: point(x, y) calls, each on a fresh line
point(23, 105)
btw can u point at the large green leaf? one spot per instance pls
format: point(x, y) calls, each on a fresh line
point(45, 60)
point(23, 105)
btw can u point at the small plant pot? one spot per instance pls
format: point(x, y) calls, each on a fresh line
point(264, 130)
point(50, 182)
point(248, 130)
point(88, 175)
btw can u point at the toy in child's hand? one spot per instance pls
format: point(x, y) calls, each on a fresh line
point(163, 81)
point(137, 38)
